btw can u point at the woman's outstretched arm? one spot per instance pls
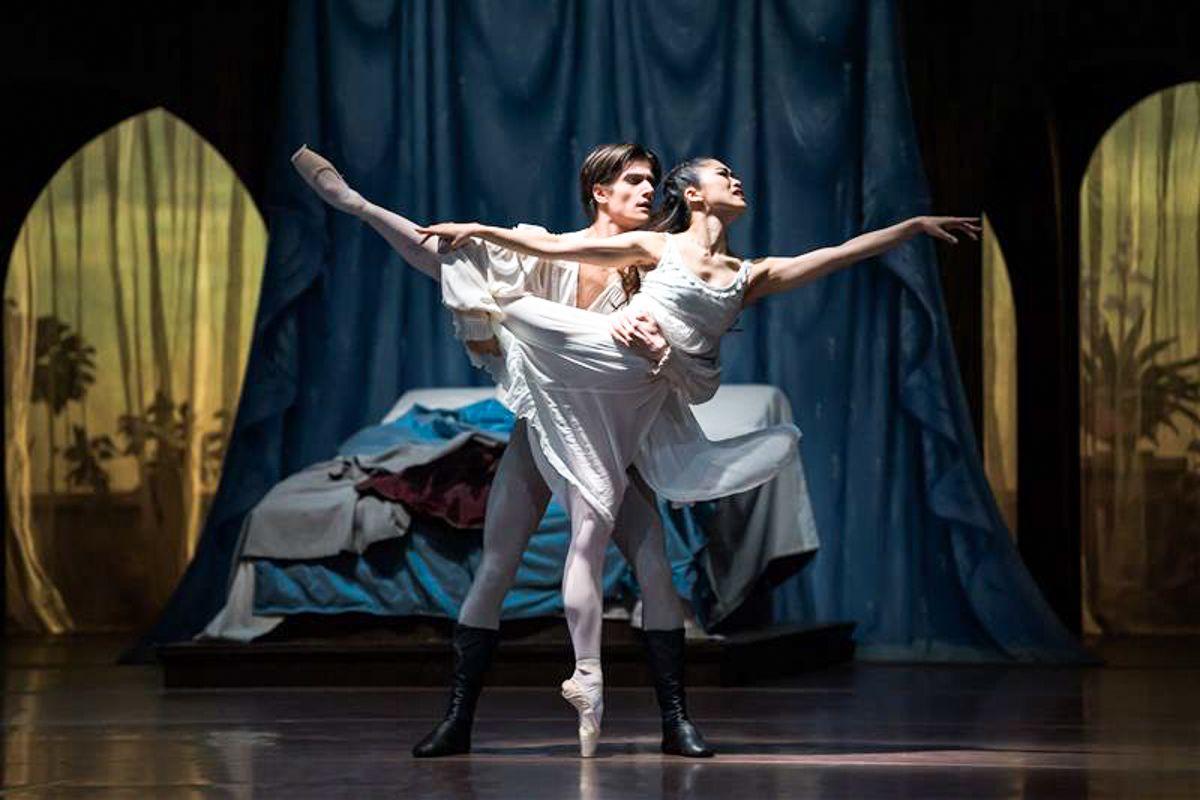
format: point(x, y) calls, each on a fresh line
point(774, 275)
point(622, 250)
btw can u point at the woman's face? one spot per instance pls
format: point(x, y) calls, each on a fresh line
point(720, 189)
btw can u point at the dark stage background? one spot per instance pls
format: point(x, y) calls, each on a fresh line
point(1008, 103)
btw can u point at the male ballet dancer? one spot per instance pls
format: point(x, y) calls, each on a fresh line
point(616, 187)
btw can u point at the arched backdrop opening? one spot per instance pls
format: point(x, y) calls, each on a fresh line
point(129, 303)
point(1140, 369)
point(1000, 458)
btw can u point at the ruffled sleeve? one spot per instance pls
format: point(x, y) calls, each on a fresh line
point(477, 276)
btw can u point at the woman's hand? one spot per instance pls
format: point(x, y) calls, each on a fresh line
point(452, 235)
point(942, 227)
point(638, 331)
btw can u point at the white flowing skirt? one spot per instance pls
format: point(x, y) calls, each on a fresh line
point(594, 408)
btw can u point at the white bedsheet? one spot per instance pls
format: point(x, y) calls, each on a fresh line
point(735, 409)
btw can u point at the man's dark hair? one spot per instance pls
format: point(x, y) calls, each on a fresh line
point(605, 164)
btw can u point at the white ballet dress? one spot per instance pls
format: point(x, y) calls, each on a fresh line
point(593, 406)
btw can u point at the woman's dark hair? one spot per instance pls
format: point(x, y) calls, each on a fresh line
point(674, 215)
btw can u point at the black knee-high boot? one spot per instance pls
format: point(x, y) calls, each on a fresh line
point(664, 649)
point(473, 649)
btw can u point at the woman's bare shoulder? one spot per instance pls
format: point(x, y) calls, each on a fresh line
point(651, 243)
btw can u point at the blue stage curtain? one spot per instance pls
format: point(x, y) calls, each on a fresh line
point(483, 111)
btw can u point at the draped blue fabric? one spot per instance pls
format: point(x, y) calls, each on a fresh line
point(484, 110)
point(429, 570)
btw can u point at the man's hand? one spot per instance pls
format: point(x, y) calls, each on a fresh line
point(638, 331)
point(484, 347)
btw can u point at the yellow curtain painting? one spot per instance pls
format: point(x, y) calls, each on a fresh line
point(129, 307)
point(999, 379)
point(1140, 370)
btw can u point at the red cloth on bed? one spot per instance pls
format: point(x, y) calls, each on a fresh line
point(452, 489)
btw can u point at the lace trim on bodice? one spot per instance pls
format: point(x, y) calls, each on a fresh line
point(671, 256)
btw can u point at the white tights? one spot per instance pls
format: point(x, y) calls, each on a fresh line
point(583, 572)
point(516, 503)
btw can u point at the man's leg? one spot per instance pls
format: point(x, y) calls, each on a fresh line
point(640, 535)
point(516, 503)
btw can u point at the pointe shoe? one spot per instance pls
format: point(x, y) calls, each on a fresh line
point(326, 181)
point(591, 712)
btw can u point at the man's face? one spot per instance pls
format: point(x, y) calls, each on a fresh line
point(628, 199)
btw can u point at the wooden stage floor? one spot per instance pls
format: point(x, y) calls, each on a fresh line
point(77, 726)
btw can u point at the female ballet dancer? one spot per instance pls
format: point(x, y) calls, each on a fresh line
point(593, 409)
point(616, 187)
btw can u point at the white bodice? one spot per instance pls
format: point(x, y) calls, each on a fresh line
point(692, 314)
